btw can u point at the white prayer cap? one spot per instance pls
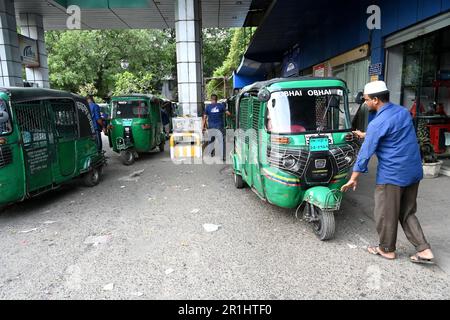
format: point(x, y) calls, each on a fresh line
point(376, 87)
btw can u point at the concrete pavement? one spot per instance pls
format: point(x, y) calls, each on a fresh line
point(143, 238)
point(433, 212)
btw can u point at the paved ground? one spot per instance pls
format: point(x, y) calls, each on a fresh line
point(144, 239)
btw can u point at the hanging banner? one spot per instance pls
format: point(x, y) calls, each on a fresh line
point(29, 55)
point(290, 66)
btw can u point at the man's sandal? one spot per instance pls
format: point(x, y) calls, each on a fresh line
point(376, 252)
point(419, 260)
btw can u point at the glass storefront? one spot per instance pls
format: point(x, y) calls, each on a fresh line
point(425, 76)
point(418, 74)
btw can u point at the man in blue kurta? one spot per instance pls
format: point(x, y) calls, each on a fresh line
point(392, 138)
point(98, 121)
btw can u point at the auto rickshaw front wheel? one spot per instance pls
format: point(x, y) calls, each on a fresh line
point(238, 181)
point(127, 157)
point(92, 178)
point(324, 226)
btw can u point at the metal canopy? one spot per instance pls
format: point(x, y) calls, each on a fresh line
point(133, 14)
point(287, 22)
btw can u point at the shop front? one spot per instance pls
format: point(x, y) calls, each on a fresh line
point(418, 73)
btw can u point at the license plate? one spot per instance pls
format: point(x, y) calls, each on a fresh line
point(127, 122)
point(318, 144)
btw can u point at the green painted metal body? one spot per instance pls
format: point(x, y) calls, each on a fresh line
point(51, 142)
point(230, 121)
point(250, 155)
point(147, 130)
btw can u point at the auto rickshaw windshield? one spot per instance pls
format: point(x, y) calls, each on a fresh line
point(5, 119)
point(307, 110)
point(130, 109)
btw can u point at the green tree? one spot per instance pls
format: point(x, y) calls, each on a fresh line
point(216, 45)
point(239, 44)
point(127, 83)
point(77, 58)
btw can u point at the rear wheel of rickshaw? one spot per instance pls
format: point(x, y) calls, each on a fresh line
point(127, 157)
point(161, 146)
point(325, 226)
point(238, 181)
point(92, 178)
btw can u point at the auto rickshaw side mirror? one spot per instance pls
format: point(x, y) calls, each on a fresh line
point(359, 98)
point(264, 95)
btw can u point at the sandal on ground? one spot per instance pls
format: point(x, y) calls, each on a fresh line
point(375, 250)
point(418, 259)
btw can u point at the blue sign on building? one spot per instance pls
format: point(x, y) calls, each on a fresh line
point(376, 69)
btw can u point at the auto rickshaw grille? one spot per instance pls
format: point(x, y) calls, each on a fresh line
point(276, 156)
point(5, 156)
point(345, 156)
point(243, 114)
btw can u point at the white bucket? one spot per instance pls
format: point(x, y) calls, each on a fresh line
point(432, 170)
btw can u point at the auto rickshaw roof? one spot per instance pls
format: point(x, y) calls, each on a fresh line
point(18, 94)
point(297, 82)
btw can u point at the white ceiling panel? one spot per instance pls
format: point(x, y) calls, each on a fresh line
point(159, 15)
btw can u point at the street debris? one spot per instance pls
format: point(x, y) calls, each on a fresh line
point(96, 240)
point(108, 287)
point(187, 189)
point(134, 177)
point(169, 271)
point(203, 185)
point(49, 222)
point(28, 231)
point(352, 246)
point(195, 211)
point(211, 227)
point(122, 187)
point(137, 294)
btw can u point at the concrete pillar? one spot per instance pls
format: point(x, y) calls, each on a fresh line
point(188, 28)
point(10, 64)
point(32, 26)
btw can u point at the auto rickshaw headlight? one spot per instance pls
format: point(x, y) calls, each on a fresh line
point(264, 95)
point(289, 163)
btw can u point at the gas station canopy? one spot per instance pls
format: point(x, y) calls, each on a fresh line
point(133, 14)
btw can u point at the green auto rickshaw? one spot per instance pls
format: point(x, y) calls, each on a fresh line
point(230, 121)
point(136, 126)
point(294, 146)
point(47, 138)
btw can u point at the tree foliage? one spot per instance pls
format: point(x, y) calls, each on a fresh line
point(77, 58)
point(88, 61)
point(216, 45)
point(240, 40)
point(128, 82)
